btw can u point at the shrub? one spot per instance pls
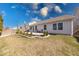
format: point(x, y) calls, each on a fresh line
point(30, 33)
point(45, 33)
point(23, 33)
point(17, 31)
point(20, 32)
point(0, 33)
point(26, 33)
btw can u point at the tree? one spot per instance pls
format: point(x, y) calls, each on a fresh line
point(1, 24)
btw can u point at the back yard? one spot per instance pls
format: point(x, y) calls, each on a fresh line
point(53, 45)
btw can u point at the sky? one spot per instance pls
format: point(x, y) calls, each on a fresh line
point(17, 14)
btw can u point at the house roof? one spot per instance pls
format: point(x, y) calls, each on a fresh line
point(56, 19)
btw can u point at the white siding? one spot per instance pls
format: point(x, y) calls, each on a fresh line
point(76, 20)
point(67, 28)
point(40, 27)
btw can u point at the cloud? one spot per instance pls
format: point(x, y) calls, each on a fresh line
point(23, 7)
point(55, 7)
point(36, 11)
point(14, 28)
point(64, 3)
point(26, 14)
point(35, 5)
point(44, 11)
point(58, 9)
point(13, 7)
point(50, 6)
point(3, 13)
point(28, 11)
point(51, 17)
point(34, 20)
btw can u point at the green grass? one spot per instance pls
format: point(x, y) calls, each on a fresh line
point(53, 45)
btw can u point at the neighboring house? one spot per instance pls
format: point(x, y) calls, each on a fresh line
point(8, 31)
point(66, 24)
point(24, 28)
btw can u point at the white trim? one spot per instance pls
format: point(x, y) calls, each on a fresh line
point(57, 25)
point(72, 28)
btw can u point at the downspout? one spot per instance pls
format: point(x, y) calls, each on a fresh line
point(72, 28)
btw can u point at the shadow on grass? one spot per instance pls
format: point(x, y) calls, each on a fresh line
point(77, 38)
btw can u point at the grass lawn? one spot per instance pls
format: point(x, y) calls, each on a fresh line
point(53, 45)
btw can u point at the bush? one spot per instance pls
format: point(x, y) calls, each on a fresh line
point(45, 33)
point(0, 33)
point(30, 33)
point(26, 33)
point(23, 33)
point(17, 31)
point(20, 32)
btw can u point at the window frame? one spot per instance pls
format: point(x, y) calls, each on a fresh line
point(36, 27)
point(45, 27)
point(55, 28)
point(60, 27)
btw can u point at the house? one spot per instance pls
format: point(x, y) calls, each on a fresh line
point(8, 31)
point(66, 24)
point(24, 28)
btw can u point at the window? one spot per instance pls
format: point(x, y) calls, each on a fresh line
point(60, 26)
point(35, 27)
point(54, 26)
point(30, 27)
point(45, 27)
point(20, 27)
